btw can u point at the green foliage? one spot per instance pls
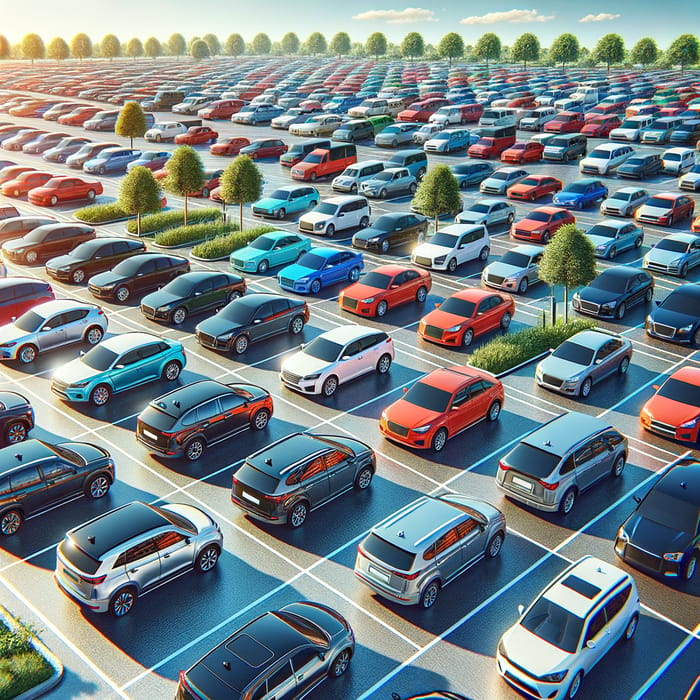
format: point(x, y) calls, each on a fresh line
point(131, 121)
point(153, 48)
point(290, 43)
point(32, 47)
point(526, 48)
point(139, 193)
point(4, 47)
point(81, 46)
point(569, 258)
point(134, 48)
point(376, 44)
point(177, 45)
point(564, 49)
point(451, 46)
point(413, 45)
point(510, 350)
point(316, 43)
point(185, 171)
point(225, 245)
point(183, 235)
point(234, 45)
point(610, 49)
point(488, 47)
point(199, 49)
point(340, 44)
point(261, 44)
point(241, 183)
point(683, 50)
point(165, 220)
point(645, 51)
point(102, 213)
point(58, 49)
point(110, 46)
point(21, 667)
point(438, 193)
point(213, 43)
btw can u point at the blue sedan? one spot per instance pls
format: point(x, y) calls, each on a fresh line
point(111, 159)
point(153, 160)
point(611, 237)
point(319, 268)
point(581, 193)
point(287, 200)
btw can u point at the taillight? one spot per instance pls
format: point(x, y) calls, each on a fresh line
point(549, 487)
point(276, 499)
point(408, 577)
point(503, 466)
point(94, 580)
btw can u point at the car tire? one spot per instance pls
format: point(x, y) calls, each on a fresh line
point(330, 231)
point(383, 364)
point(384, 246)
point(31, 257)
point(194, 449)
point(623, 366)
point(505, 320)
point(467, 338)
point(572, 692)
point(179, 315)
point(10, 522)
point(439, 440)
point(298, 514)
point(122, 602)
point(158, 138)
point(689, 566)
point(330, 385)
point(296, 325)
point(281, 213)
point(353, 188)
point(452, 265)
point(494, 411)
point(612, 253)
point(263, 267)
point(97, 486)
point(315, 287)
point(649, 295)
point(547, 237)
point(618, 466)
point(421, 295)
point(493, 548)
point(171, 371)
point(522, 287)
point(638, 242)
point(260, 419)
point(631, 628)
point(207, 559)
point(54, 201)
point(364, 222)
point(122, 293)
point(364, 478)
point(100, 395)
point(354, 274)
point(340, 664)
point(27, 354)
point(484, 254)
point(91, 195)
point(683, 271)
point(313, 177)
point(101, 170)
point(567, 502)
point(16, 432)
point(620, 311)
point(585, 389)
point(382, 308)
point(394, 144)
point(240, 344)
point(412, 188)
point(420, 174)
point(429, 594)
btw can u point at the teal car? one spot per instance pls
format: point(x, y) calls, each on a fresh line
point(270, 249)
point(119, 363)
point(287, 200)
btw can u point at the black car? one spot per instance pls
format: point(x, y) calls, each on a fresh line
point(192, 293)
point(661, 535)
point(677, 317)
point(16, 418)
point(35, 476)
point(252, 318)
point(136, 275)
point(191, 418)
point(641, 166)
point(613, 291)
point(391, 230)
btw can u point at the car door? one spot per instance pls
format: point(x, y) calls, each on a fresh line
point(352, 362)
point(340, 468)
point(126, 370)
point(592, 461)
point(76, 323)
point(448, 554)
point(602, 361)
point(533, 269)
point(236, 415)
point(635, 291)
point(150, 274)
point(142, 563)
point(332, 271)
point(596, 633)
point(176, 551)
point(204, 296)
point(52, 333)
point(308, 667)
point(283, 251)
point(281, 685)
point(694, 254)
point(473, 539)
point(61, 479)
point(149, 362)
point(492, 314)
point(28, 489)
point(459, 412)
point(312, 480)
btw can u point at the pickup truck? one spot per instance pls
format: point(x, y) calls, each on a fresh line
point(167, 131)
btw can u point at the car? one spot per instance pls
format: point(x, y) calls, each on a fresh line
point(610, 237)
point(354, 175)
point(77, 116)
point(136, 275)
point(286, 200)
point(164, 131)
point(190, 294)
point(228, 145)
point(46, 241)
point(16, 418)
point(318, 125)
point(18, 226)
point(641, 166)
point(565, 123)
point(111, 160)
point(294, 115)
point(51, 325)
point(391, 230)
point(269, 250)
point(541, 224)
point(86, 153)
point(571, 625)
point(449, 140)
point(664, 208)
point(488, 212)
point(537, 119)
point(256, 113)
point(108, 562)
point(25, 182)
point(336, 214)
point(523, 152)
point(605, 158)
point(691, 180)
point(389, 182)
point(516, 270)
point(466, 314)
point(396, 135)
point(319, 268)
point(196, 135)
point(471, 173)
point(624, 202)
point(11, 172)
point(43, 143)
point(677, 317)
point(533, 187)
point(64, 188)
point(250, 319)
point(426, 132)
point(15, 143)
point(613, 292)
point(116, 364)
point(550, 467)
point(600, 126)
point(19, 294)
point(500, 180)
point(188, 420)
point(104, 120)
point(64, 148)
point(452, 246)
point(303, 636)
point(38, 476)
point(264, 148)
point(153, 160)
point(674, 254)
point(409, 557)
point(581, 193)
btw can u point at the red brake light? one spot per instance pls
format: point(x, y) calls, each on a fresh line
point(549, 487)
point(408, 577)
point(94, 580)
point(503, 466)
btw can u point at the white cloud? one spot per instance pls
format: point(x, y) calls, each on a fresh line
point(602, 17)
point(407, 16)
point(512, 16)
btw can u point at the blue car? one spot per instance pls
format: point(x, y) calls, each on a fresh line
point(471, 173)
point(287, 200)
point(340, 105)
point(111, 159)
point(319, 268)
point(581, 193)
point(153, 160)
point(611, 237)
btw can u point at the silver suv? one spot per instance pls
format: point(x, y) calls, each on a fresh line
point(418, 550)
point(107, 562)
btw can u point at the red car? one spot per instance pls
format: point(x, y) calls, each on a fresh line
point(665, 208)
point(25, 182)
point(674, 411)
point(533, 187)
point(26, 109)
point(565, 123)
point(421, 111)
point(695, 227)
point(197, 134)
point(211, 180)
point(19, 294)
point(466, 314)
point(601, 126)
point(13, 171)
point(541, 224)
point(25, 136)
point(265, 148)
point(385, 287)
point(523, 152)
point(441, 405)
point(78, 116)
point(221, 109)
point(605, 110)
point(64, 189)
point(228, 146)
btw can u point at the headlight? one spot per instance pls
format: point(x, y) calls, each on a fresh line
point(440, 260)
point(78, 385)
point(375, 239)
point(690, 423)
point(311, 377)
point(622, 535)
point(502, 649)
point(686, 329)
point(162, 309)
point(510, 280)
point(673, 556)
point(573, 380)
point(225, 337)
point(600, 248)
point(454, 329)
point(318, 225)
point(422, 429)
point(677, 261)
point(8, 345)
point(369, 300)
point(609, 305)
point(577, 296)
point(554, 677)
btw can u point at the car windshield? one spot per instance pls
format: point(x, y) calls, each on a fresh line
point(622, 196)
point(573, 352)
point(429, 397)
point(383, 177)
point(673, 246)
point(609, 283)
point(479, 208)
point(680, 391)
point(384, 223)
point(350, 172)
point(554, 624)
point(445, 240)
point(672, 156)
point(84, 150)
point(659, 202)
point(312, 261)
point(681, 302)
point(377, 280)
point(597, 153)
point(530, 181)
point(280, 194)
point(537, 216)
point(392, 130)
point(99, 358)
point(662, 508)
point(262, 243)
point(458, 307)
point(516, 259)
point(29, 322)
point(313, 158)
point(558, 142)
point(501, 175)
point(323, 349)
point(326, 208)
point(602, 231)
point(576, 187)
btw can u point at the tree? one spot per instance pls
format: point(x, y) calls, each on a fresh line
point(4, 47)
point(568, 260)
point(199, 49)
point(261, 44)
point(58, 49)
point(81, 46)
point(451, 46)
point(526, 48)
point(153, 48)
point(488, 47)
point(241, 183)
point(134, 47)
point(176, 44)
point(645, 51)
point(683, 50)
point(131, 121)
point(32, 47)
point(316, 43)
point(376, 44)
point(610, 49)
point(139, 193)
point(564, 49)
point(290, 43)
point(438, 193)
point(213, 43)
point(234, 45)
point(185, 172)
point(413, 45)
point(340, 44)
point(110, 47)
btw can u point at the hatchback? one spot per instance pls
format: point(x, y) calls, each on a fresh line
point(452, 246)
point(16, 418)
point(488, 212)
point(624, 202)
point(390, 181)
point(666, 207)
point(611, 237)
point(516, 270)
point(391, 230)
point(286, 200)
point(503, 178)
point(674, 254)
point(640, 166)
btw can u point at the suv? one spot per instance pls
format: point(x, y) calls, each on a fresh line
point(351, 178)
point(411, 555)
point(284, 481)
point(16, 418)
point(451, 246)
point(335, 214)
point(107, 562)
point(549, 467)
point(389, 182)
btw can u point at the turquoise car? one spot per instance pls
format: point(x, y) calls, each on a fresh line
point(611, 237)
point(268, 250)
point(119, 363)
point(287, 200)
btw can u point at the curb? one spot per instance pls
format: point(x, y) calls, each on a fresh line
point(189, 244)
point(107, 221)
point(206, 260)
point(515, 368)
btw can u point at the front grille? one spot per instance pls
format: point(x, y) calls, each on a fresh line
point(58, 385)
point(432, 332)
point(350, 303)
point(238, 263)
point(552, 381)
point(148, 311)
point(661, 268)
point(639, 556)
point(495, 279)
point(665, 428)
point(522, 685)
point(207, 340)
point(286, 282)
point(488, 189)
point(291, 377)
point(397, 429)
point(420, 260)
point(258, 210)
point(590, 307)
point(687, 185)
point(359, 243)
point(98, 291)
point(306, 226)
point(648, 218)
point(663, 330)
point(521, 233)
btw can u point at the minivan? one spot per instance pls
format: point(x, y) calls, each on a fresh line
point(630, 128)
point(354, 130)
point(660, 130)
point(498, 117)
point(299, 151)
point(369, 108)
point(350, 179)
point(565, 147)
point(457, 114)
point(335, 214)
point(415, 160)
point(325, 161)
point(677, 160)
point(380, 122)
point(605, 158)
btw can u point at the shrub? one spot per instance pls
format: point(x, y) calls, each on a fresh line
point(225, 245)
point(21, 666)
point(193, 233)
point(172, 219)
point(101, 213)
point(510, 350)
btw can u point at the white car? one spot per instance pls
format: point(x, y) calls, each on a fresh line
point(606, 158)
point(191, 105)
point(164, 131)
point(568, 629)
point(624, 202)
point(630, 128)
point(335, 214)
point(451, 246)
point(691, 180)
point(500, 180)
point(677, 160)
point(537, 119)
point(426, 132)
point(487, 212)
point(335, 357)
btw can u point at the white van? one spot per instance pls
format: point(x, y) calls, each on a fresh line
point(677, 160)
point(350, 179)
point(369, 108)
point(499, 117)
point(631, 127)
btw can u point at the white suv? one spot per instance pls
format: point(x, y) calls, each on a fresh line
point(335, 214)
point(568, 629)
point(603, 159)
point(451, 246)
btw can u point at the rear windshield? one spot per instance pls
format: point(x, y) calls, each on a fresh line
point(532, 461)
point(79, 559)
point(389, 554)
point(256, 479)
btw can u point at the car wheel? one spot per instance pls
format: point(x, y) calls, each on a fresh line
point(522, 287)
point(612, 253)
point(631, 628)
point(313, 177)
point(194, 449)
point(382, 307)
point(412, 188)
point(547, 237)
point(689, 566)
point(638, 242)
point(383, 364)
point(618, 466)
point(330, 385)
point(98, 486)
point(340, 664)
point(179, 315)
point(494, 411)
point(171, 371)
point(493, 549)
point(354, 274)
point(297, 515)
point(619, 314)
point(467, 338)
point(91, 195)
point(484, 254)
point(122, 602)
point(394, 144)
point(281, 214)
point(384, 246)
point(439, 440)
point(364, 478)
point(240, 344)
point(315, 286)
point(296, 325)
point(382, 193)
point(158, 138)
point(505, 320)
point(31, 257)
point(364, 222)
point(353, 188)
point(420, 174)
point(452, 265)
point(27, 354)
point(670, 220)
point(649, 295)
point(16, 432)
point(429, 595)
point(567, 503)
point(101, 170)
point(575, 685)
point(623, 366)
point(122, 294)
point(100, 395)
point(10, 522)
point(421, 295)
point(260, 419)
point(54, 201)
point(207, 558)
point(330, 231)
point(683, 271)
point(585, 389)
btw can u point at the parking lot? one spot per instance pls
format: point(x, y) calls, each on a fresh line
point(403, 650)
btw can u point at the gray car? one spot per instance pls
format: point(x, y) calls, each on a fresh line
point(389, 182)
point(624, 202)
point(397, 134)
point(51, 325)
point(109, 561)
point(411, 555)
point(516, 270)
point(584, 360)
point(500, 180)
point(488, 212)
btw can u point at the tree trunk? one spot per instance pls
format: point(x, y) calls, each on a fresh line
point(185, 210)
point(131, 142)
point(138, 223)
point(552, 304)
point(566, 304)
point(240, 215)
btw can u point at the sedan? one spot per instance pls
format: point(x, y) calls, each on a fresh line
point(78, 116)
point(86, 153)
point(516, 270)
point(286, 200)
point(581, 193)
point(111, 159)
point(613, 291)
point(523, 152)
point(196, 135)
point(24, 182)
point(16, 418)
point(15, 143)
point(533, 187)
point(611, 237)
point(389, 182)
point(600, 126)
point(541, 224)
point(391, 230)
point(64, 189)
point(228, 145)
point(153, 160)
point(624, 202)
point(488, 212)
point(677, 317)
point(269, 250)
point(43, 143)
point(319, 268)
point(46, 241)
point(396, 135)
point(12, 172)
point(67, 147)
point(674, 255)
point(665, 208)
point(264, 148)
point(501, 180)
point(471, 173)
point(318, 125)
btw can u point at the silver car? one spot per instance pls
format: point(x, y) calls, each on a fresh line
point(584, 360)
point(488, 212)
point(516, 270)
point(51, 325)
point(106, 563)
point(500, 180)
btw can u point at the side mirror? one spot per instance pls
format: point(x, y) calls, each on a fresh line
point(655, 387)
point(637, 499)
point(345, 357)
point(257, 320)
point(45, 328)
point(521, 609)
point(591, 644)
point(119, 366)
point(404, 389)
point(437, 305)
point(321, 655)
point(82, 352)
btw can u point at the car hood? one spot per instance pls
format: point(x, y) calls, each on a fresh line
point(530, 225)
point(216, 326)
point(297, 271)
point(314, 217)
point(648, 210)
point(270, 203)
point(677, 319)
point(691, 177)
point(443, 319)
point(663, 257)
point(93, 162)
point(533, 653)
point(105, 279)
point(598, 296)
point(600, 240)
point(160, 298)
point(249, 253)
point(667, 410)
point(504, 270)
point(409, 415)
point(302, 364)
point(75, 371)
point(430, 250)
point(15, 244)
point(653, 536)
point(361, 291)
point(566, 197)
point(10, 332)
point(472, 217)
point(630, 168)
point(562, 369)
point(62, 261)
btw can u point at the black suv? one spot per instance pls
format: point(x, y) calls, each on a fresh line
point(191, 418)
point(36, 475)
point(16, 418)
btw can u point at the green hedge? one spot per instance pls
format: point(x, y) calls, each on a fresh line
point(225, 245)
point(193, 233)
point(100, 213)
point(172, 219)
point(21, 666)
point(510, 350)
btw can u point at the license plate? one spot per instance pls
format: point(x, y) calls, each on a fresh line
point(379, 574)
point(149, 434)
point(522, 484)
point(250, 498)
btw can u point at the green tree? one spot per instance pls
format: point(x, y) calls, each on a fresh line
point(185, 173)
point(139, 193)
point(199, 49)
point(340, 44)
point(451, 46)
point(32, 47)
point(316, 43)
point(438, 193)
point(645, 51)
point(131, 121)
point(683, 50)
point(569, 261)
point(290, 43)
point(153, 48)
point(564, 49)
point(241, 183)
point(110, 47)
point(234, 45)
point(261, 44)
point(213, 43)
point(413, 45)
point(376, 44)
point(526, 48)
point(488, 47)
point(177, 45)
point(58, 49)
point(610, 49)
point(134, 47)
point(4, 47)
point(81, 46)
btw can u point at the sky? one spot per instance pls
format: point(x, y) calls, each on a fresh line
point(588, 20)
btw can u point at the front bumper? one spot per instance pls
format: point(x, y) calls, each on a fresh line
point(516, 677)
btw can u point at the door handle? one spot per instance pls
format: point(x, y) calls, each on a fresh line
point(166, 556)
point(300, 677)
point(133, 571)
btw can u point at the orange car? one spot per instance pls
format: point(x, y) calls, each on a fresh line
point(541, 224)
point(228, 146)
point(197, 134)
point(466, 314)
point(533, 187)
point(385, 287)
point(441, 405)
point(26, 109)
point(523, 152)
point(13, 171)
point(79, 116)
point(64, 189)
point(25, 182)
point(695, 226)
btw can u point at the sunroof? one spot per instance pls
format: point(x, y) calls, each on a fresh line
point(580, 586)
point(249, 650)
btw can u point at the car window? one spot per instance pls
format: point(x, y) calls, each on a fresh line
point(460, 397)
point(605, 350)
point(582, 455)
point(303, 657)
point(598, 446)
point(25, 478)
point(279, 306)
point(330, 459)
point(74, 315)
point(567, 466)
point(447, 540)
point(309, 471)
point(466, 527)
point(617, 602)
point(148, 267)
point(595, 625)
point(230, 402)
point(128, 358)
point(56, 469)
point(168, 539)
point(352, 349)
point(161, 264)
point(279, 677)
point(139, 551)
point(149, 350)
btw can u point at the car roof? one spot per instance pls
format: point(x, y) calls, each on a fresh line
point(20, 455)
point(52, 307)
point(277, 458)
point(527, 249)
point(190, 395)
point(474, 294)
point(254, 300)
point(587, 181)
point(613, 223)
point(555, 436)
point(668, 195)
point(592, 338)
point(681, 236)
point(620, 271)
point(347, 333)
point(392, 269)
point(450, 378)
point(127, 341)
point(682, 481)
point(344, 199)
point(548, 210)
point(12, 281)
point(457, 229)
